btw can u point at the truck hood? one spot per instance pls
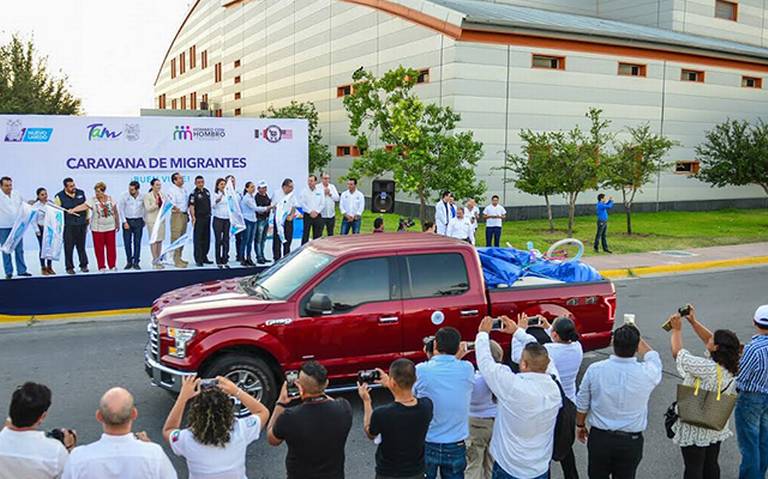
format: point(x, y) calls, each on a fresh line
point(200, 299)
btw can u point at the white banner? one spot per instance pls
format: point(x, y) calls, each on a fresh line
point(40, 151)
point(236, 219)
point(24, 220)
point(180, 242)
point(165, 212)
point(53, 233)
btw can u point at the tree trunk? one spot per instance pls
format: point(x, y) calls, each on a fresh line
point(422, 208)
point(627, 210)
point(571, 212)
point(549, 214)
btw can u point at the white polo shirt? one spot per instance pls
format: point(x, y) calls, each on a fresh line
point(30, 455)
point(460, 228)
point(119, 457)
point(491, 210)
point(312, 200)
point(352, 204)
point(9, 208)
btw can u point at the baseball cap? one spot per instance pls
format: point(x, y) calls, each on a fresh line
point(761, 316)
point(262, 184)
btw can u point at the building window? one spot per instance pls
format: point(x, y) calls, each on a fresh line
point(727, 10)
point(173, 68)
point(217, 113)
point(192, 57)
point(204, 59)
point(347, 150)
point(237, 79)
point(238, 111)
point(751, 82)
point(193, 100)
point(161, 101)
point(689, 167)
point(549, 62)
point(238, 95)
point(423, 76)
point(237, 63)
point(173, 104)
point(692, 75)
point(343, 90)
point(182, 63)
point(631, 70)
point(217, 73)
point(183, 102)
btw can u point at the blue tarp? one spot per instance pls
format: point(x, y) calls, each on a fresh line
point(504, 266)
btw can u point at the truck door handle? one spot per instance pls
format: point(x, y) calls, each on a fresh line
point(389, 319)
point(469, 312)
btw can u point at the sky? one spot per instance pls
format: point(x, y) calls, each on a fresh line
point(111, 50)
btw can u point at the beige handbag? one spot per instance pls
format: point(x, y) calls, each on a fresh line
point(707, 409)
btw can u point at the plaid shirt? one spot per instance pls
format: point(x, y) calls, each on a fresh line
point(753, 367)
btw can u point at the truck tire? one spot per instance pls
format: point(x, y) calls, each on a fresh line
point(250, 373)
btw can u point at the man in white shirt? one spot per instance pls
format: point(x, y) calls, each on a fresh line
point(119, 454)
point(528, 404)
point(25, 451)
point(312, 201)
point(283, 201)
point(613, 400)
point(494, 215)
point(472, 211)
point(330, 198)
point(351, 205)
point(443, 213)
point(179, 215)
point(460, 227)
point(10, 205)
point(131, 209)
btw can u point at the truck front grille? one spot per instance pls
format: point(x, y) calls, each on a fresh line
point(154, 340)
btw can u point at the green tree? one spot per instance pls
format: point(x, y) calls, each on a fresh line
point(27, 87)
point(735, 153)
point(424, 153)
point(319, 156)
point(532, 170)
point(634, 164)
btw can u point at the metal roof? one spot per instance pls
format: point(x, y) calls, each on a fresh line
point(503, 15)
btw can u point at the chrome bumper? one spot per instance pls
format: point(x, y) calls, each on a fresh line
point(163, 376)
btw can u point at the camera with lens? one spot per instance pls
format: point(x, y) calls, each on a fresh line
point(429, 344)
point(684, 310)
point(405, 223)
point(368, 376)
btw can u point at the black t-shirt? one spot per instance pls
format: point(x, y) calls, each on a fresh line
point(201, 200)
point(68, 202)
point(403, 430)
point(316, 433)
point(262, 200)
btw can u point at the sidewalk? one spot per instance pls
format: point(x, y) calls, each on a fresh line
point(658, 262)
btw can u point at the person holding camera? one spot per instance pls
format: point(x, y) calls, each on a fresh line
point(482, 413)
point(613, 397)
point(448, 381)
point(314, 425)
point(716, 370)
point(215, 442)
point(25, 450)
point(401, 426)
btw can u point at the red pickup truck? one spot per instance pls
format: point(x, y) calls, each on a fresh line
point(352, 303)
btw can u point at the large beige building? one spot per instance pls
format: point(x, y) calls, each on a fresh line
point(504, 65)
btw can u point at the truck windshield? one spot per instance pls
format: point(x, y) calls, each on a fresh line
point(287, 275)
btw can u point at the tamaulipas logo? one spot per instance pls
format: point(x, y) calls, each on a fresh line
point(187, 133)
point(16, 133)
point(98, 132)
point(273, 134)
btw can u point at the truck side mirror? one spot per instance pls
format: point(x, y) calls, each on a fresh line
point(319, 304)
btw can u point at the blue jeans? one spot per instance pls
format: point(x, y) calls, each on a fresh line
point(246, 244)
point(132, 240)
point(450, 459)
point(499, 473)
point(260, 238)
point(21, 267)
point(346, 226)
point(492, 236)
point(752, 432)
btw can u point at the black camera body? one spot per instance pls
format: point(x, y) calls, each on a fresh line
point(405, 223)
point(684, 311)
point(429, 344)
point(368, 376)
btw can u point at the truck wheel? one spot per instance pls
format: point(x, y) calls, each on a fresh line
point(252, 374)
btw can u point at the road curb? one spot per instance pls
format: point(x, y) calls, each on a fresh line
point(10, 319)
point(683, 267)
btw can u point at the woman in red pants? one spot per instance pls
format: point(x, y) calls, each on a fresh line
point(104, 223)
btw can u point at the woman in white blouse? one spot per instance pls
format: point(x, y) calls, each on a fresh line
point(220, 224)
point(700, 446)
point(46, 265)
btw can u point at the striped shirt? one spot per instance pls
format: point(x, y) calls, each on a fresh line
point(753, 367)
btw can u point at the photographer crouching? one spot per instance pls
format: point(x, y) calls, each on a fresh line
point(401, 426)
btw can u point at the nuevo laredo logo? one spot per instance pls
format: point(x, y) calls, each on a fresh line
point(187, 133)
point(15, 133)
point(99, 132)
point(132, 131)
point(273, 134)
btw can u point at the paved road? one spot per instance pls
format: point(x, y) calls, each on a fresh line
point(80, 361)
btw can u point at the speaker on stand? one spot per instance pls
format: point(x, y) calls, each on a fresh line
point(383, 196)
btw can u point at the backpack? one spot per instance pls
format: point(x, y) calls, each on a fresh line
point(565, 427)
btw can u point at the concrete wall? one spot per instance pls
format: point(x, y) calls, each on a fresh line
point(698, 17)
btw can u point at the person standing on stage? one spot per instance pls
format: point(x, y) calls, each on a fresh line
point(153, 201)
point(200, 212)
point(46, 265)
point(443, 213)
point(10, 205)
point(263, 207)
point(131, 209)
point(248, 207)
point(288, 202)
point(75, 226)
point(352, 205)
point(311, 202)
point(220, 224)
point(105, 222)
point(238, 236)
point(494, 215)
point(330, 198)
point(179, 215)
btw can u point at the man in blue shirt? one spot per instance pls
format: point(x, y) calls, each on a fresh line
point(752, 406)
point(448, 382)
point(602, 221)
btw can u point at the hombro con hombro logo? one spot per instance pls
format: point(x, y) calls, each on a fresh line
point(187, 133)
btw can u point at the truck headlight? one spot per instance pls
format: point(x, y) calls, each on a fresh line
point(181, 337)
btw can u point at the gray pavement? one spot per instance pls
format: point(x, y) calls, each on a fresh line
point(80, 361)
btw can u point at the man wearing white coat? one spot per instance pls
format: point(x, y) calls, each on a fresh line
point(444, 211)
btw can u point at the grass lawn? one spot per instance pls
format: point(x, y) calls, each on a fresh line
point(653, 231)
